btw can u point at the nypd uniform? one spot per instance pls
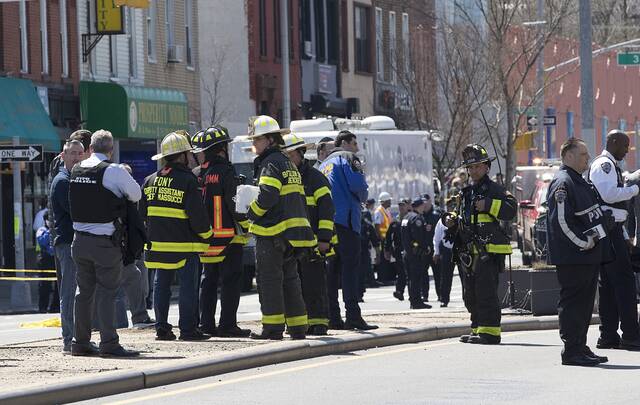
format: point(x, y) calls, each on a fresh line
point(431, 219)
point(574, 217)
point(416, 250)
point(617, 304)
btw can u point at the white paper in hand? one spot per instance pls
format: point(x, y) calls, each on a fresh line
point(245, 195)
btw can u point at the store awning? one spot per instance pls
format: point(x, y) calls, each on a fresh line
point(22, 115)
point(132, 112)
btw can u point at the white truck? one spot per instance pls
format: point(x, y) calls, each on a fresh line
point(396, 161)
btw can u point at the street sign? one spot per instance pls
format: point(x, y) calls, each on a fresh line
point(549, 120)
point(629, 58)
point(532, 121)
point(21, 153)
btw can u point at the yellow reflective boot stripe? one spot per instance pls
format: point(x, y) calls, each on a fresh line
point(319, 321)
point(279, 227)
point(273, 319)
point(495, 207)
point(489, 330)
point(292, 188)
point(211, 259)
point(311, 201)
point(503, 249)
point(178, 247)
point(297, 320)
point(270, 181)
point(206, 235)
point(325, 224)
point(321, 192)
point(167, 212)
point(165, 266)
point(474, 331)
point(256, 209)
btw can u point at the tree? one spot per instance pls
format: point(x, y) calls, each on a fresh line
point(212, 79)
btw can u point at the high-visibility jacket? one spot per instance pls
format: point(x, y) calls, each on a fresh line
point(499, 206)
point(320, 209)
point(280, 206)
point(383, 227)
point(176, 220)
point(217, 178)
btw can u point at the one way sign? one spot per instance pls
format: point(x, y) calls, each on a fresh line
point(21, 153)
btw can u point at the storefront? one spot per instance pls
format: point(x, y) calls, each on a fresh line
point(23, 116)
point(138, 117)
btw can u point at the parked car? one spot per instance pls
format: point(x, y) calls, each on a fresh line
point(531, 187)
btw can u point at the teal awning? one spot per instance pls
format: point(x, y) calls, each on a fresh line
point(132, 112)
point(22, 115)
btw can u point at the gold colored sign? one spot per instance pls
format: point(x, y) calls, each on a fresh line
point(133, 3)
point(109, 19)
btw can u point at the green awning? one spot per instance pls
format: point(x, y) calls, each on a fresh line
point(132, 112)
point(22, 114)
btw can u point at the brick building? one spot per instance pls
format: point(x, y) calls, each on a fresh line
point(265, 68)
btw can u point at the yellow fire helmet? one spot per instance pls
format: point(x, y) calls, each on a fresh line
point(264, 125)
point(293, 142)
point(172, 144)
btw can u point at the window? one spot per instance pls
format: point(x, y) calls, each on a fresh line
point(570, 131)
point(64, 43)
point(345, 35)
point(333, 40)
point(379, 45)
point(168, 23)
point(188, 25)
point(44, 43)
point(131, 39)
point(276, 29)
point(393, 54)
point(406, 43)
point(362, 39)
point(605, 129)
point(305, 29)
point(622, 124)
point(321, 42)
point(24, 39)
point(263, 27)
point(113, 55)
point(152, 16)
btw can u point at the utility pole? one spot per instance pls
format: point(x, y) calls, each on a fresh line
point(284, 44)
point(20, 291)
point(586, 77)
point(540, 142)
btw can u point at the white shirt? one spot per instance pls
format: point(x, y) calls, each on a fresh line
point(438, 237)
point(604, 177)
point(117, 180)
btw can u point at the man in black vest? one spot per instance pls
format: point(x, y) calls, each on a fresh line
point(97, 192)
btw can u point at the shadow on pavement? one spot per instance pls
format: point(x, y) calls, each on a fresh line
point(618, 367)
point(528, 345)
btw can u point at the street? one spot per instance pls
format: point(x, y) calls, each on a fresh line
point(524, 369)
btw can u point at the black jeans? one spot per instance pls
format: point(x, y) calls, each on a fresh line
point(578, 284)
point(617, 287)
point(349, 251)
point(334, 273)
point(425, 278)
point(446, 273)
point(230, 271)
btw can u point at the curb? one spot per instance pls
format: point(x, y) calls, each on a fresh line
point(268, 354)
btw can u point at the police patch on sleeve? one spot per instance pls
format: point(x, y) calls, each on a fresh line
point(606, 166)
point(418, 222)
point(561, 195)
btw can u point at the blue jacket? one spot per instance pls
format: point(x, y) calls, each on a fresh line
point(59, 196)
point(348, 187)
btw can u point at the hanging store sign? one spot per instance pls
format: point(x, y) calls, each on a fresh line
point(109, 17)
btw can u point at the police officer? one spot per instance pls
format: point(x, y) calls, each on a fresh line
point(431, 218)
point(223, 259)
point(178, 229)
point(368, 240)
point(320, 211)
point(481, 244)
point(382, 220)
point(393, 248)
point(416, 251)
point(574, 228)
point(617, 304)
point(283, 233)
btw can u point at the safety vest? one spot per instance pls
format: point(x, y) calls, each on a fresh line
point(386, 221)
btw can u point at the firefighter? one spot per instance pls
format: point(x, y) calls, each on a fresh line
point(382, 220)
point(219, 181)
point(481, 244)
point(283, 233)
point(178, 229)
point(416, 251)
point(320, 211)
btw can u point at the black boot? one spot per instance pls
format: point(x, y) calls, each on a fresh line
point(267, 335)
point(359, 324)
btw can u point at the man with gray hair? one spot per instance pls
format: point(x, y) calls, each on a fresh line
point(97, 193)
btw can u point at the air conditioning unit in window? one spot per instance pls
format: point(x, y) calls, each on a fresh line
point(307, 49)
point(175, 53)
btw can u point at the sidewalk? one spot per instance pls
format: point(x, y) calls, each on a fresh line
point(41, 364)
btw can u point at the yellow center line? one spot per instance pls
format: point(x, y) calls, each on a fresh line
point(293, 369)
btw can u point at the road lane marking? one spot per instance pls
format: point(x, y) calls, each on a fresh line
point(294, 369)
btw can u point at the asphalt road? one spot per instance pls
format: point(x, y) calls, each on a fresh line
point(525, 369)
point(377, 301)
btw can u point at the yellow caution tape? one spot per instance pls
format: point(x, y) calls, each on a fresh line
point(29, 278)
point(26, 271)
point(45, 323)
